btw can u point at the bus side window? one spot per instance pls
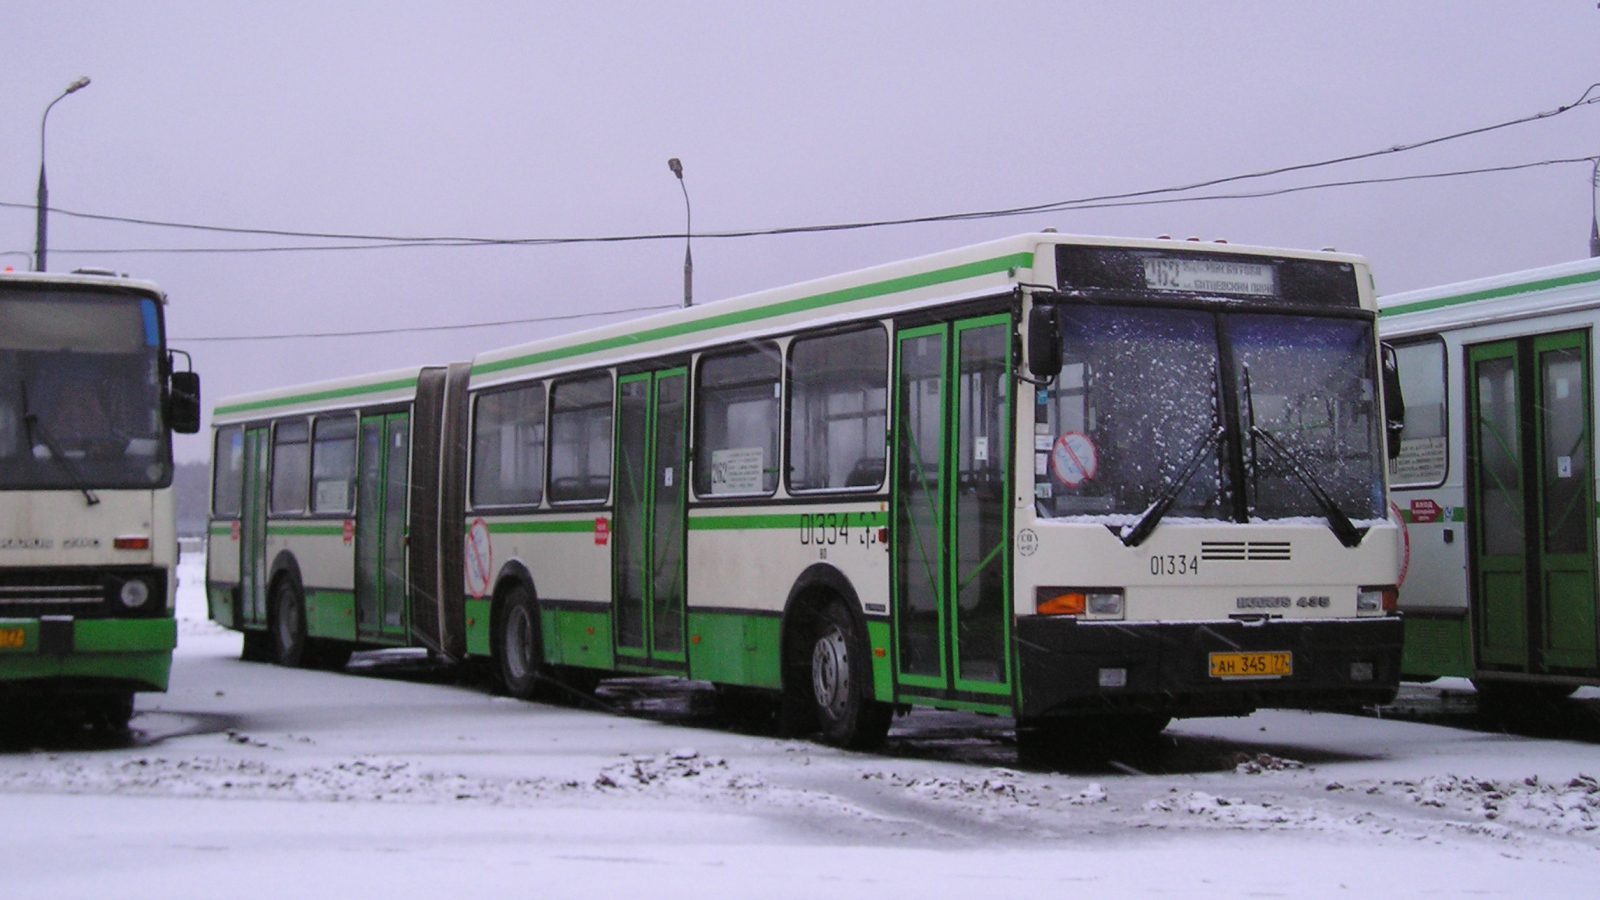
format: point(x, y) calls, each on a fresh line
point(1424, 444)
point(333, 464)
point(227, 472)
point(736, 422)
point(580, 440)
point(508, 447)
point(291, 466)
point(838, 410)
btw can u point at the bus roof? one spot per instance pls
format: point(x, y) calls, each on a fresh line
point(980, 269)
point(394, 386)
point(83, 280)
point(1517, 295)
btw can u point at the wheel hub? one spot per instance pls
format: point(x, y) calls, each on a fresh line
point(830, 671)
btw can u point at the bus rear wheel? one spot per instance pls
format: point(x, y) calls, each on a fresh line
point(517, 650)
point(841, 683)
point(288, 625)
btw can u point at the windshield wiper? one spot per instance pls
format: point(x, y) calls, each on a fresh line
point(1345, 530)
point(31, 423)
point(1152, 514)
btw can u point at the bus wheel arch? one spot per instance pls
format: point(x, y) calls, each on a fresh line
point(286, 613)
point(515, 638)
point(826, 663)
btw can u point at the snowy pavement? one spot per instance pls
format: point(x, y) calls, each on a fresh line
point(256, 781)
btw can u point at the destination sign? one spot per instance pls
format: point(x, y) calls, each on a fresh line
point(1210, 276)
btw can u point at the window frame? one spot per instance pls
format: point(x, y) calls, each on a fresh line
point(237, 511)
point(545, 389)
point(1400, 344)
point(272, 469)
point(553, 386)
point(789, 400)
point(354, 416)
point(768, 347)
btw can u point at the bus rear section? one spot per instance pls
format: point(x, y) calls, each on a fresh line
point(1208, 531)
point(88, 548)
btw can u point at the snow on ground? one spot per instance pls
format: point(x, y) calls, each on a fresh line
point(265, 782)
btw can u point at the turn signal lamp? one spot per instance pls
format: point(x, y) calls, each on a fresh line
point(1068, 603)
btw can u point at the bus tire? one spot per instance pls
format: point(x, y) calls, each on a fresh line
point(257, 646)
point(841, 683)
point(516, 644)
point(288, 625)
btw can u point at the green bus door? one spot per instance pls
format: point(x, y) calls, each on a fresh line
point(1530, 461)
point(252, 608)
point(648, 532)
point(952, 515)
point(381, 527)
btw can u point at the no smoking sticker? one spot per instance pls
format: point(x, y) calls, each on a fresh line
point(479, 559)
point(1072, 459)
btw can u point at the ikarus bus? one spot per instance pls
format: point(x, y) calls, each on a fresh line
point(89, 400)
point(1496, 479)
point(1067, 479)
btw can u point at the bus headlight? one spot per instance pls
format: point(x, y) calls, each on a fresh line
point(134, 593)
point(1376, 601)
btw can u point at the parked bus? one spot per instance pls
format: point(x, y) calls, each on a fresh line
point(1058, 478)
point(88, 548)
point(1496, 478)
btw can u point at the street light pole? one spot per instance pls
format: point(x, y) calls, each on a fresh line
point(688, 261)
point(39, 237)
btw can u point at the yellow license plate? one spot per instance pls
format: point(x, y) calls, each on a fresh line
point(12, 638)
point(1273, 664)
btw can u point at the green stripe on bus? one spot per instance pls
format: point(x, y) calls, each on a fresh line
point(305, 529)
point(222, 530)
point(1491, 294)
point(787, 520)
point(317, 396)
point(581, 526)
point(1022, 260)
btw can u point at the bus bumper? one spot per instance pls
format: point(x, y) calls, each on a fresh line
point(1164, 668)
point(91, 654)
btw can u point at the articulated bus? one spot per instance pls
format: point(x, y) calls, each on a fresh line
point(88, 547)
point(1496, 479)
point(1070, 480)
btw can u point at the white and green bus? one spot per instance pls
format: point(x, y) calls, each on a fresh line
point(88, 549)
point(1496, 478)
point(1058, 478)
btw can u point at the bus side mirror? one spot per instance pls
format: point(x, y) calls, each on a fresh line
point(1394, 401)
point(183, 402)
point(1044, 342)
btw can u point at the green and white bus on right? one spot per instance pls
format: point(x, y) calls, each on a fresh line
point(1496, 479)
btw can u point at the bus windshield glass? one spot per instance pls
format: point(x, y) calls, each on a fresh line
point(80, 391)
point(1137, 414)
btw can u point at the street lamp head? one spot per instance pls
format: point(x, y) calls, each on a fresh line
point(78, 85)
point(676, 167)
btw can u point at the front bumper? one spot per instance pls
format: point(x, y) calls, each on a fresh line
point(94, 654)
point(1165, 666)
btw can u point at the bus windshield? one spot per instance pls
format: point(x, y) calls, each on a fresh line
point(1138, 406)
point(80, 391)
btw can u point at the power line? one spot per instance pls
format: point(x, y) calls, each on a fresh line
point(1065, 207)
point(391, 240)
point(417, 328)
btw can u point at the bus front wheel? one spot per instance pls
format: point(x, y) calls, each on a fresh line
point(841, 683)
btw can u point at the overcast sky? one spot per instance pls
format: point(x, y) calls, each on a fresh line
point(543, 120)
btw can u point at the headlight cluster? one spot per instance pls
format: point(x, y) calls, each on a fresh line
point(1091, 603)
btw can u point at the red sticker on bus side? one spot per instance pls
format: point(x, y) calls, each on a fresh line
point(602, 531)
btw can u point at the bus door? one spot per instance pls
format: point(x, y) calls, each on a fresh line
point(252, 608)
point(952, 512)
point(648, 530)
point(381, 526)
point(1531, 468)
